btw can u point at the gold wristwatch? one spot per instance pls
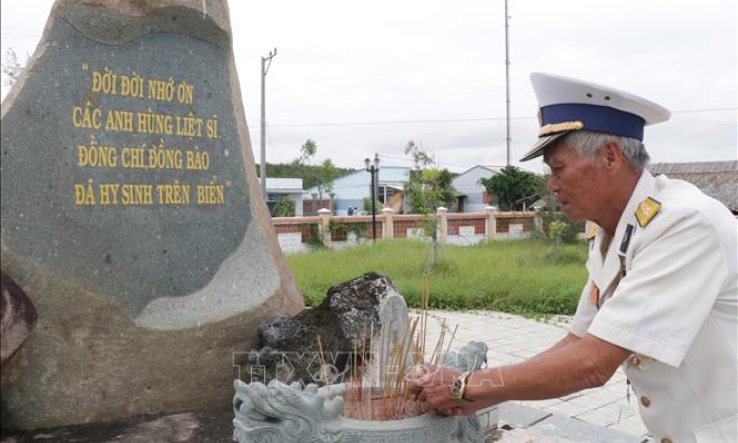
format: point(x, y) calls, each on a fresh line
point(459, 386)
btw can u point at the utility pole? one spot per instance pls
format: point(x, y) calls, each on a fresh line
point(264, 69)
point(507, 79)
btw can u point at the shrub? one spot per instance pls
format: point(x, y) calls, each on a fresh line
point(556, 230)
point(368, 206)
point(285, 207)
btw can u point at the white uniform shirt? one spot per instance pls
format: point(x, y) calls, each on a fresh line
point(669, 294)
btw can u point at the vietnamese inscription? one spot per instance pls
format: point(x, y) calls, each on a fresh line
point(122, 166)
point(108, 117)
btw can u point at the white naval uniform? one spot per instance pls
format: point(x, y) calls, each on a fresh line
point(669, 294)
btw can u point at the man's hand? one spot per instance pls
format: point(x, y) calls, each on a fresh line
point(433, 389)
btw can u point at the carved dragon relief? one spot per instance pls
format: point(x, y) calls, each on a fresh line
point(282, 413)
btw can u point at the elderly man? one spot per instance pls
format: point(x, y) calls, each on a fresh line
point(661, 300)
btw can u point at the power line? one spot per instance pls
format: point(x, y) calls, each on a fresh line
point(402, 122)
point(384, 130)
point(459, 120)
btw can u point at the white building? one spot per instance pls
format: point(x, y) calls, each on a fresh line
point(351, 189)
point(276, 188)
point(471, 194)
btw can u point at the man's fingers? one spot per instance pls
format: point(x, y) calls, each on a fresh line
point(420, 382)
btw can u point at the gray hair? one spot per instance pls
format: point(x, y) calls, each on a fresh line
point(588, 143)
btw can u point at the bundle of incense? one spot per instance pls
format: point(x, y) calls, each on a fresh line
point(392, 365)
point(321, 375)
point(448, 348)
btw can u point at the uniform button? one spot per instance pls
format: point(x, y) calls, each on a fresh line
point(666, 440)
point(645, 401)
point(635, 361)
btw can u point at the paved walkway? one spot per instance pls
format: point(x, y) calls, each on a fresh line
point(512, 339)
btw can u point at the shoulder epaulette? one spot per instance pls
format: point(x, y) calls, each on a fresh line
point(646, 211)
point(592, 231)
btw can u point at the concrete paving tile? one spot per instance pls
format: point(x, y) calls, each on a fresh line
point(524, 436)
point(505, 349)
point(542, 404)
point(590, 401)
point(567, 409)
point(573, 395)
point(632, 425)
point(597, 418)
point(538, 349)
point(524, 353)
point(618, 412)
point(519, 416)
point(511, 360)
point(582, 431)
point(497, 359)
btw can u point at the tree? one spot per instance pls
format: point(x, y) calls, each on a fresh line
point(420, 157)
point(308, 173)
point(11, 67)
point(510, 185)
point(307, 151)
point(327, 172)
point(429, 186)
point(547, 197)
point(378, 205)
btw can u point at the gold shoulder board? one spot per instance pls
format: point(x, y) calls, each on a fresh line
point(592, 231)
point(646, 211)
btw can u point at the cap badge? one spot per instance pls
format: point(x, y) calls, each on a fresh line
point(647, 210)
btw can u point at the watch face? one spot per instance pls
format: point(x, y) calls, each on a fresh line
point(456, 387)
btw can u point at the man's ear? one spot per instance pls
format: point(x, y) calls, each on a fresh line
point(611, 155)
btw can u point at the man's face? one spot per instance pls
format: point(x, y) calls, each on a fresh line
point(575, 183)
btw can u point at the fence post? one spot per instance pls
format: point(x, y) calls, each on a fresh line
point(387, 223)
point(538, 224)
point(325, 226)
point(491, 222)
point(442, 224)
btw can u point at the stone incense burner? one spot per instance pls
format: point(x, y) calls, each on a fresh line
point(281, 413)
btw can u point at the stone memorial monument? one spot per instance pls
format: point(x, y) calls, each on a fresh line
point(132, 216)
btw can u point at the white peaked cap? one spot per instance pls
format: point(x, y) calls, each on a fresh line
point(567, 104)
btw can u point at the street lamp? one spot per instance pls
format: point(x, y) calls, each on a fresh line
point(373, 168)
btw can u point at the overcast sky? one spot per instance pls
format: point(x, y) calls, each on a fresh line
point(366, 77)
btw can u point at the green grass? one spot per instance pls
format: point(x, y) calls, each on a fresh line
point(528, 277)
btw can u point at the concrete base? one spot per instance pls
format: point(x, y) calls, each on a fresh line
point(216, 426)
point(211, 426)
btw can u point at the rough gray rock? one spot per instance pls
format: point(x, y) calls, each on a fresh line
point(354, 309)
point(17, 319)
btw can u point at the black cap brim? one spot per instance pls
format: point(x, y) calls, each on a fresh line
point(537, 149)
